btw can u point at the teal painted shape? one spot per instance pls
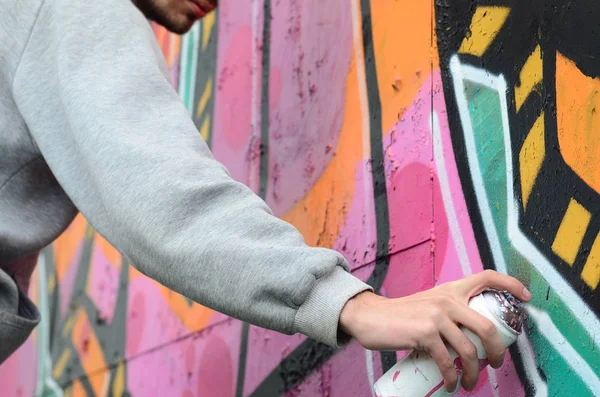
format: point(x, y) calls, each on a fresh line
point(485, 111)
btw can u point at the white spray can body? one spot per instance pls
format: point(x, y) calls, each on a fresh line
point(417, 374)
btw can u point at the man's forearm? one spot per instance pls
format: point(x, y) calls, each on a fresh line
point(123, 147)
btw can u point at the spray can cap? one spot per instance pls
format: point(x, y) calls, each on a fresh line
point(505, 307)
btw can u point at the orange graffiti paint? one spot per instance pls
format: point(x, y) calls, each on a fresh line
point(332, 194)
point(405, 53)
point(578, 119)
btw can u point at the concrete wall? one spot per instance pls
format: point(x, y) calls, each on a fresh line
point(424, 140)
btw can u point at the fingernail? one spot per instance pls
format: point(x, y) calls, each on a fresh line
point(526, 293)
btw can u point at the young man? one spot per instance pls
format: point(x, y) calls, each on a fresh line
point(90, 123)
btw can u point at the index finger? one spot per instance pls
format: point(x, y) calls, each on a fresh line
point(479, 282)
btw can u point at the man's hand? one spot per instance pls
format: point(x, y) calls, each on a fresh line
point(424, 321)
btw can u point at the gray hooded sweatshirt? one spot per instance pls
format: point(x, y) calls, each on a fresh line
point(89, 122)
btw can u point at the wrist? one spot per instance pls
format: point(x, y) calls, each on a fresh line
point(354, 316)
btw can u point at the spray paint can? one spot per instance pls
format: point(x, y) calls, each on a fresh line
point(417, 374)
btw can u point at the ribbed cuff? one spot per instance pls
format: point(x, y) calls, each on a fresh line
point(318, 317)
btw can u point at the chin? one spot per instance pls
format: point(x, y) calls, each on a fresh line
point(178, 25)
point(180, 29)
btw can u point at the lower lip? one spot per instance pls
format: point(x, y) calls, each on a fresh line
point(198, 11)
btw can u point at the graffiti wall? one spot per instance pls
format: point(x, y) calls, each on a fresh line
point(424, 140)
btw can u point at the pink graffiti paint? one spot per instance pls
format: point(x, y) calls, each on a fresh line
point(265, 350)
point(357, 240)
point(236, 120)
point(103, 285)
point(67, 282)
point(436, 388)
point(313, 57)
point(396, 375)
point(18, 372)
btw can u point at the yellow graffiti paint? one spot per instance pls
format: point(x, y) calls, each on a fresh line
point(208, 22)
point(485, 25)
point(88, 349)
point(571, 231)
point(205, 128)
point(591, 270)
point(204, 98)
point(119, 383)
point(51, 283)
point(61, 364)
point(531, 76)
point(67, 329)
point(531, 157)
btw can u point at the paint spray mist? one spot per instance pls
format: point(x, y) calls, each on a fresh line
point(417, 374)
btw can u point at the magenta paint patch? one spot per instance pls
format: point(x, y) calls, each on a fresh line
point(232, 128)
point(409, 272)
point(215, 371)
point(236, 126)
point(234, 85)
point(408, 155)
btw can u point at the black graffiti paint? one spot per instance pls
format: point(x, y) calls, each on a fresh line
point(110, 335)
point(311, 355)
point(205, 72)
point(263, 169)
point(555, 26)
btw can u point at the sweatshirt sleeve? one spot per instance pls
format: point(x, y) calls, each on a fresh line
point(92, 88)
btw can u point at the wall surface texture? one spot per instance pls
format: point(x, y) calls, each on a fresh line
point(425, 140)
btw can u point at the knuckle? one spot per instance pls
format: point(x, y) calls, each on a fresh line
point(430, 328)
point(442, 302)
point(447, 365)
point(438, 300)
point(488, 329)
point(436, 311)
point(470, 352)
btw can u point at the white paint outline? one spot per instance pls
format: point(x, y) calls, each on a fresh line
point(45, 383)
point(453, 223)
point(563, 347)
point(366, 142)
point(255, 118)
point(586, 318)
point(571, 299)
point(525, 351)
point(357, 44)
point(370, 371)
point(475, 75)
